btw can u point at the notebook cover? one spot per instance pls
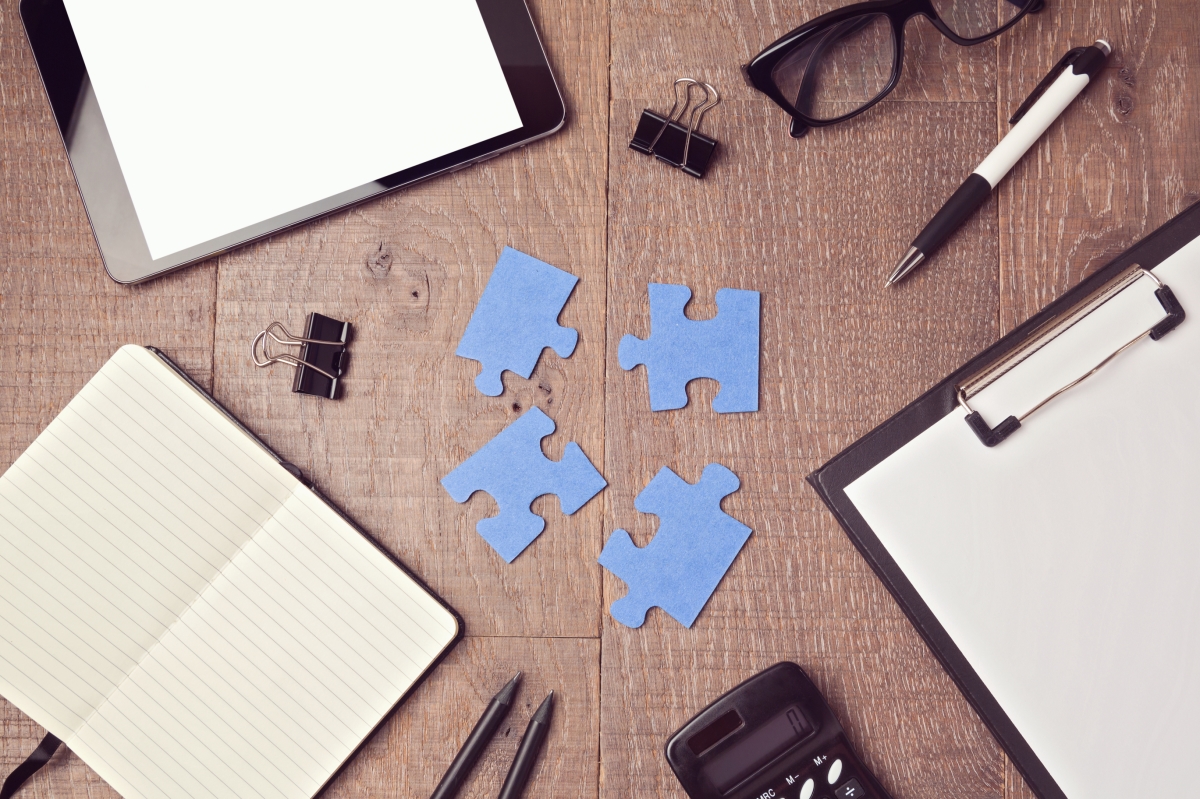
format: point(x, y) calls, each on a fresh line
point(295, 470)
point(831, 480)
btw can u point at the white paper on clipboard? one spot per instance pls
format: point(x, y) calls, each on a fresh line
point(1065, 562)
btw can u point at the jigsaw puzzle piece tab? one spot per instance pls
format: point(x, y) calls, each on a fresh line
point(516, 318)
point(666, 310)
point(694, 547)
point(679, 350)
point(512, 468)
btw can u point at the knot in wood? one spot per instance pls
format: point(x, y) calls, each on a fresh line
point(1124, 104)
point(379, 263)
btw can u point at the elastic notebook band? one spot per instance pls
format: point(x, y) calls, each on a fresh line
point(31, 766)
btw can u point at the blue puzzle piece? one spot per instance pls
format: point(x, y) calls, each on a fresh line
point(512, 468)
point(695, 545)
point(680, 350)
point(516, 318)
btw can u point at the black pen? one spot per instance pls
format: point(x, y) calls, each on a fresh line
point(1048, 101)
point(477, 741)
point(528, 751)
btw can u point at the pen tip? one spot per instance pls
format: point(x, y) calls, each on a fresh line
point(506, 693)
point(543, 711)
point(911, 260)
point(1104, 46)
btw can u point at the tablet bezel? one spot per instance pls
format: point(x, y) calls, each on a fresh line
point(106, 197)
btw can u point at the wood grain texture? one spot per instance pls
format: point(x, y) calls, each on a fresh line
point(409, 755)
point(1123, 160)
point(815, 225)
point(1015, 786)
point(64, 776)
point(799, 590)
point(60, 316)
point(407, 271)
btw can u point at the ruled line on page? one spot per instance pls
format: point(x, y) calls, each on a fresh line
point(382, 566)
point(319, 721)
point(263, 472)
point(248, 637)
point(193, 477)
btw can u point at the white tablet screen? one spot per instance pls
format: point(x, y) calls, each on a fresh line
point(226, 113)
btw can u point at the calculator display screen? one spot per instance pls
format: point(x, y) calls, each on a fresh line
point(716, 732)
point(758, 748)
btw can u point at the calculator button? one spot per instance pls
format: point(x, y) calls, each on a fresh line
point(851, 790)
point(835, 771)
point(806, 791)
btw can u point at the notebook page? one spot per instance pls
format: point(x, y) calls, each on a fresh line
point(107, 534)
point(188, 617)
point(1064, 562)
point(269, 681)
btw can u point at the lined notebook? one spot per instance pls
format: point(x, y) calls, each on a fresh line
point(183, 612)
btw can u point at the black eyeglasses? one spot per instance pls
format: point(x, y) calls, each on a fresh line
point(842, 63)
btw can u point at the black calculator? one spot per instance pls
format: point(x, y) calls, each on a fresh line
point(772, 737)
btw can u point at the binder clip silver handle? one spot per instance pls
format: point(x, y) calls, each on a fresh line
point(677, 110)
point(321, 361)
point(666, 137)
point(694, 118)
point(288, 340)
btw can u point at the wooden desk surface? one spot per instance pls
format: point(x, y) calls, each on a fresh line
point(814, 224)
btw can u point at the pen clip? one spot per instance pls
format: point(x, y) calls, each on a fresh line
point(1040, 89)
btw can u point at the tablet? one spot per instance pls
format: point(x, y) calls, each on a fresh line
point(195, 127)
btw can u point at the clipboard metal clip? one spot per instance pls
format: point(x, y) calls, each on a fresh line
point(991, 436)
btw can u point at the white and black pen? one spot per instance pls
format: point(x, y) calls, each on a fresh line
point(1070, 76)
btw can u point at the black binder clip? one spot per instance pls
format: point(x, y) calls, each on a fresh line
point(669, 141)
point(322, 359)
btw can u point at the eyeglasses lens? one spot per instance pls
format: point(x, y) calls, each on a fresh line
point(840, 69)
point(972, 19)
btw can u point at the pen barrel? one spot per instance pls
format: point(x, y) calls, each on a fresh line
point(523, 763)
point(1032, 125)
point(962, 204)
point(476, 742)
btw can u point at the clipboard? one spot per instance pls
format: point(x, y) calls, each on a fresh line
point(850, 485)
